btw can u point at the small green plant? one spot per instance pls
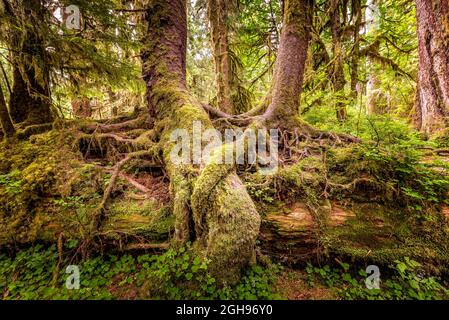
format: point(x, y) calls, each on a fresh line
point(37, 273)
point(263, 194)
point(11, 182)
point(410, 283)
point(407, 282)
point(179, 274)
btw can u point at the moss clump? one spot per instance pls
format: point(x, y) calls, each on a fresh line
point(47, 188)
point(136, 219)
point(35, 174)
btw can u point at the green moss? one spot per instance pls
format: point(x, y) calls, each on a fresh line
point(46, 188)
point(376, 235)
point(139, 219)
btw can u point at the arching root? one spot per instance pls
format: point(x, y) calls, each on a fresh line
point(100, 212)
point(226, 219)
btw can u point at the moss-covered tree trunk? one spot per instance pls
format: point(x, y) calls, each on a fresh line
point(5, 120)
point(290, 64)
point(211, 206)
point(432, 103)
point(218, 13)
point(30, 98)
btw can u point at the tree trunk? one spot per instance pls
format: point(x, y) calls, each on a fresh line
point(374, 95)
point(338, 76)
point(433, 79)
point(5, 120)
point(218, 13)
point(357, 17)
point(30, 99)
point(211, 206)
point(290, 64)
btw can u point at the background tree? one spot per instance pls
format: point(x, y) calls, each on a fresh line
point(290, 63)
point(5, 120)
point(356, 16)
point(374, 93)
point(432, 103)
point(219, 13)
point(337, 75)
point(30, 98)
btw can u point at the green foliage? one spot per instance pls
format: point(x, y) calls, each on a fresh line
point(264, 194)
point(394, 166)
point(255, 285)
point(441, 139)
point(419, 185)
point(11, 182)
point(407, 282)
point(36, 273)
point(178, 274)
point(387, 55)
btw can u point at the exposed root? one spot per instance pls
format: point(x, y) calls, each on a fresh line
point(33, 130)
point(115, 137)
point(238, 120)
point(137, 123)
point(135, 184)
point(112, 143)
point(442, 152)
point(340, 138)
point(101, 210)
point(226, 220)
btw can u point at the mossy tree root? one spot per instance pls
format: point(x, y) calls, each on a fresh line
point(226, 220)
point(31, 130)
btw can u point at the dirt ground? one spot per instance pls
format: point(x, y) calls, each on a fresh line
point(293, 285)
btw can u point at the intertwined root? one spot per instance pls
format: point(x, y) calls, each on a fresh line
point(210, 203)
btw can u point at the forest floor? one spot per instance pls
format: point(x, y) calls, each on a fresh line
point(294, 285)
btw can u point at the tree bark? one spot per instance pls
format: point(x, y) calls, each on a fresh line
point(30, 99)
point(290, 64)
point(211, 206)
point(5, 120)
point(218, 13)
point(432, 103)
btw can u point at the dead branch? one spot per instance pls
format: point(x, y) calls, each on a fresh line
point(136, 184)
